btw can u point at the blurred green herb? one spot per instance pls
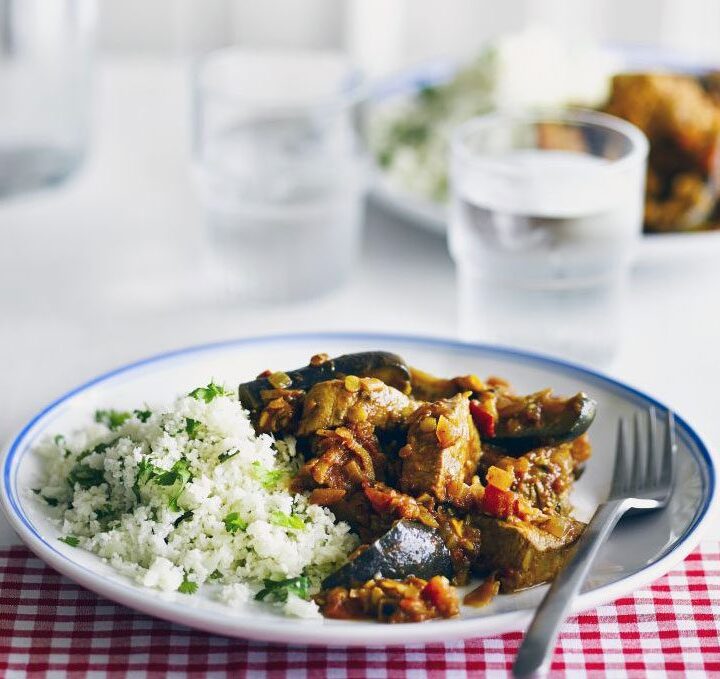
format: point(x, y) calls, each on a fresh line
point(112, 418)
point(70, 540)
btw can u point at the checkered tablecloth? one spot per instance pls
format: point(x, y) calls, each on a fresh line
point(51, 627)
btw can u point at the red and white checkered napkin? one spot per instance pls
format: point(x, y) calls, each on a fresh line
point(52, 627)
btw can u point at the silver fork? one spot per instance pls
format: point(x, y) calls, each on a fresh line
point(641, 488)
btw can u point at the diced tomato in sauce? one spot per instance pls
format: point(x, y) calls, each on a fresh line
point(484, 418)
point(498, 502)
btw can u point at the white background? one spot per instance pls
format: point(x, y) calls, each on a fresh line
point(386, 34)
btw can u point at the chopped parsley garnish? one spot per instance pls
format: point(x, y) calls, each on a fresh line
point(233, 523)
point(99, 448)
point(52, 501)
point(191, 427)
point(269, 478)
point(411, 133)
point(178, 476)
point(208, 393)
point(146, 470)
point(178, 472)
point(83, 455)
point(85, 476)
point(385, 158)
point(107, 514)
point(112, 418)
point(70, 540)
point(429, 94)
point(142, 415)
point(278, 590)
point(287, 520)
point(226, 456)
point(215, 575)
point(188, 586)
point(184, 517)
point(59, 440)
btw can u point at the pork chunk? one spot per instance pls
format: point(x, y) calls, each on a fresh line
point(520, 553)
point(443, 447)
point(352, 400)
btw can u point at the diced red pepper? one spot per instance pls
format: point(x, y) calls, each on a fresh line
point(382, 502)
point(484, 415)
point(498, 502)
point(442, 595)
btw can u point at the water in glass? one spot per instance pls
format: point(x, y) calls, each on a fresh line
point(541, 259)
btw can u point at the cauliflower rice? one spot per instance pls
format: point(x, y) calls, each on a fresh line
point(188, 495)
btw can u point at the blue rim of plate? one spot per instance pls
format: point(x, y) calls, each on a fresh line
point(685, 431)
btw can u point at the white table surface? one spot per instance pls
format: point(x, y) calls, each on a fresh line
point(103, 270)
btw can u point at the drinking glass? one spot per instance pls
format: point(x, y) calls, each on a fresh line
point(45, 60)
point(280, 170)
point(545, 215)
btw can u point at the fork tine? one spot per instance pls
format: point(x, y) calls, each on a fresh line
point(619, 479)
point(637, 479)
point(651, 464)
point(667, 472)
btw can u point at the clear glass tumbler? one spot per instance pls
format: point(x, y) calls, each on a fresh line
point(45, 69)
point(280, 170)
point(546, 212)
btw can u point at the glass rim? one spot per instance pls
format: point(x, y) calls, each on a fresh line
point(342, 99)
point(581, 116)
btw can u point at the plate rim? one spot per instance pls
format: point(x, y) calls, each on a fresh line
point(286, 630)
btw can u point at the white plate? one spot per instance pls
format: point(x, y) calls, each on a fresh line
point(431, 216)
point(639, 551)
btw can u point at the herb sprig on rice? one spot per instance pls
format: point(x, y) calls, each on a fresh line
point(188, 495)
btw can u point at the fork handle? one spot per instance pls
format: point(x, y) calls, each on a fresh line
point(536, 650)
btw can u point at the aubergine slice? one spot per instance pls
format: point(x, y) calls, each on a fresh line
point(385, 366)
point(408, 548)
point(534, 423)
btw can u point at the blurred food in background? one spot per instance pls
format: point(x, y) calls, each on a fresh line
point(681, 119)
point(679, 112)
point(409, 136)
